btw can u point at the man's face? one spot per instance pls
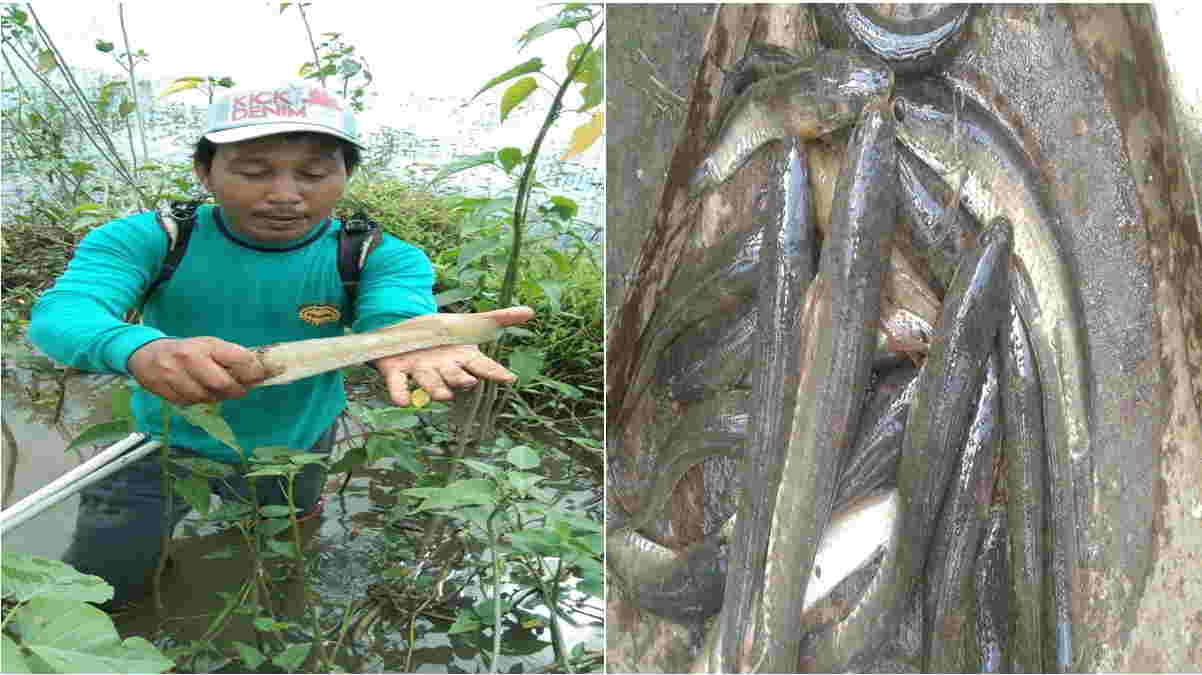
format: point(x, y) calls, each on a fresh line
point(276, 188)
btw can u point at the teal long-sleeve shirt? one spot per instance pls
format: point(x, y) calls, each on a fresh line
point(226, 286)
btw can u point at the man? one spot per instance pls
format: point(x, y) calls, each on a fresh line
point(260, 267)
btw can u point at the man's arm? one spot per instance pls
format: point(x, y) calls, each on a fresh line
point(79, 321)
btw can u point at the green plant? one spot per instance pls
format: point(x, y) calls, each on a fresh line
point(335, 57)
point(498, 226)
point(551, 552)
point(50, 627)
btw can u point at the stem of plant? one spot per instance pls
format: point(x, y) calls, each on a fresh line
point(110, 154)
point(300, 6)
point(133, 89)
point(552, 596)
point(164, 468)
point(496, 589)
point(302, 578)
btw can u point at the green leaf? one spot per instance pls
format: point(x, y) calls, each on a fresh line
point(393, 418)
point(526, 363)
point(509, 158)
point(523, 457)
point(562, 387)
point(46, 61)
point(463, 164)
point(592, 580)
point(231, 511)
point(271, 471)
point(309, 457)
point(103, 46)
point(408, 461)
point(293, 656)
point(532, 66)
point(455, 295)
point(268, 624)
point(28, 576)
point(207, 416)
point(272, 454)
point(11, 660)
point(563, 208)
point(105, 432)
point(274, 511)
point(119, 402)
point(353, 458)
point(554, 292)
point(459, 493)
point(272, 527)
point(516, 93)
point(474, 250)
point(203, 466)
point(522, 481)
point(74, 637)
point(483, 467)
point(568, 17)
point(252, 657)
point(539, 542)
point(482, 216)
point(282, 547)
point(195, 490)
point(593, 92)
point(485, 610)
point(465, 622)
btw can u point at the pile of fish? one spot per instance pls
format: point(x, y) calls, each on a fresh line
point(907, 404)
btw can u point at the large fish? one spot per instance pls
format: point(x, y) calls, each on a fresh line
point(840, 345)
point(966, 146)
point(292, 361)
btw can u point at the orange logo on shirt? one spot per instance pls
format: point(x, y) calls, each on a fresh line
point(317, 314)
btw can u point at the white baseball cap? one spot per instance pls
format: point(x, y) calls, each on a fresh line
point(243, 114)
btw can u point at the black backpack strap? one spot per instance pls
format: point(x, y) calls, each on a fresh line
point(177, 222)
point(357, 238)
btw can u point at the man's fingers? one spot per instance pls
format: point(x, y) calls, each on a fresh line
point(510, 316)
point(240, 362)
point(484, 367)
point(432, 381)
point(398, 386)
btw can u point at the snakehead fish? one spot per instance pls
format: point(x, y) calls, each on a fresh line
point(291, 361)
point(968, 147)
point(839, 346)
point(823, 94)
point(945, 400)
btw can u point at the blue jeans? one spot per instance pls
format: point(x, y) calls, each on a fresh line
point(119, 529)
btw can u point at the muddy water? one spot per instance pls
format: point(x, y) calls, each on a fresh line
point(345, 546)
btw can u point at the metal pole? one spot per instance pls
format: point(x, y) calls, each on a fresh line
point(103, 464)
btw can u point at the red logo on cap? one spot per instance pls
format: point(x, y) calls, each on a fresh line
point(320, 97)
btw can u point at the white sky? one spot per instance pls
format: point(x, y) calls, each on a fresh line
point(434, 47)
point(430, 49)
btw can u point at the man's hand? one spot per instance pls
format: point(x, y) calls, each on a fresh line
point(196, 370)
point(438, 370)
